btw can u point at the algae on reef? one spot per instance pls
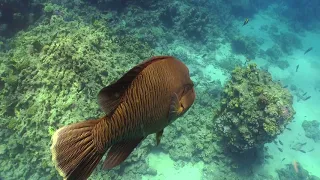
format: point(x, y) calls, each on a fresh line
point(51, 77)
point(253, 111)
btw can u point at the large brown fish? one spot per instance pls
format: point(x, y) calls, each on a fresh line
point(145, 100)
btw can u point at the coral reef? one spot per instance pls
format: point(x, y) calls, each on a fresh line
point(285, 44)
point(253, 111)
point(207, 92)
point(229, 63)
point(50, 77)
point(311, 129)
point(287, 41)
point(247, 8)
point(274, 54)
point(289, 172)
point(52, 72)
point(301, 14)
point(245, 45)
point(183, 18)
point(16, 15)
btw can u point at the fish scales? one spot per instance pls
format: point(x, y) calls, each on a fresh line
point(155, 98)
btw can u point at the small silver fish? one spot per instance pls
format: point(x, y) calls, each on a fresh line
point(308, 50)
point(280, 142)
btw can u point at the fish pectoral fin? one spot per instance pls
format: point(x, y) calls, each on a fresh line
point(119, 152)
point(158, 137)
point(175, 107)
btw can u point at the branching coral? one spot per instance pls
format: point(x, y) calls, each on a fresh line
point(253, 110)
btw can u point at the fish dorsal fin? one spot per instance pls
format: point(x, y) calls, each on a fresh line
point(111, 96)
point(119, 152)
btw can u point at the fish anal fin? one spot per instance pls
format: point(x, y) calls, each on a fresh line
point(119, 152)
point(158, 137)
point(111, 96)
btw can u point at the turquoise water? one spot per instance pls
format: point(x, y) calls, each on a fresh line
point(57, 55)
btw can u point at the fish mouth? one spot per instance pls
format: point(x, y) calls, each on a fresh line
point(182, 109)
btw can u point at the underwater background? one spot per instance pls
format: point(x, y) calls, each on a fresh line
point(255, 65)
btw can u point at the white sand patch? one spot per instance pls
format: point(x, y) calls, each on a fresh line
point(214, 73)
point(167, 170)
point(279, 74)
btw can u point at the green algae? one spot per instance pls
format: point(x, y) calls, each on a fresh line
point(3, 149)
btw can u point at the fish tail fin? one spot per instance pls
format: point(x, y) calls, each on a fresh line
point(77, 149)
